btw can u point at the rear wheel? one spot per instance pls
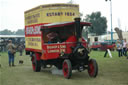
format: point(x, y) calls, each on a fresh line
point(67, 68)
point(36, 64)
point(92, 68)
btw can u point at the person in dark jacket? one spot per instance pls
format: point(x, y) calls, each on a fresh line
point(20, 48)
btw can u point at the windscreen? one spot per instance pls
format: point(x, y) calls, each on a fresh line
point(62, 33)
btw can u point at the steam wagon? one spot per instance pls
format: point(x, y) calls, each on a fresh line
point(53, 36)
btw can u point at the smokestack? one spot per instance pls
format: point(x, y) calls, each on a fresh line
point(78, 29)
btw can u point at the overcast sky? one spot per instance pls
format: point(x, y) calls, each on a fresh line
point(12, 11)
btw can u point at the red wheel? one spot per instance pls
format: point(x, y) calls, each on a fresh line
point(92, 68)
point(36, 64)
point(67, 69)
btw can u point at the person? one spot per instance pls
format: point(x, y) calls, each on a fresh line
point(126, 50)
point(125, 47)
point(11, 51)
point(20, 49)
point(53, 37)
point(106, 52)
point(119, 48)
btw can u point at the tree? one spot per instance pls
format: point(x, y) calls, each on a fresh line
point(99, 23)
point(20, 32)
point(6, 32)
point(9, 32)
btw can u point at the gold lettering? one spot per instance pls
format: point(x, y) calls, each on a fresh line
point(62, 46)
point(53, 51)
point(51, 47)
point(62, 50)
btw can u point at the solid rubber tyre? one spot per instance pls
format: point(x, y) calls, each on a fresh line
point(92, 68)
point(67, 68)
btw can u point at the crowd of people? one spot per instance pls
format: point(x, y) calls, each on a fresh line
point(122, 47)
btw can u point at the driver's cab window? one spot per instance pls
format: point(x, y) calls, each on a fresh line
point(57, 35)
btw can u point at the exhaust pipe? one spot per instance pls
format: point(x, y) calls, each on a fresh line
point(78, 30)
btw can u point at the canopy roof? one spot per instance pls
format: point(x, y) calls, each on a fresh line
point(62, 24)
point(12, 36)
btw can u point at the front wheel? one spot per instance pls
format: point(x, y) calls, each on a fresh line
point(92, 68)
point(67, 68)
point(36, 64)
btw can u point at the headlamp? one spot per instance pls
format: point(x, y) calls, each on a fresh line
point(80, 50)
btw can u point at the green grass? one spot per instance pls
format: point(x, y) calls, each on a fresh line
point(112, 71)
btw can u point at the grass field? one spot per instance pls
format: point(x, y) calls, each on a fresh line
point(112, 71)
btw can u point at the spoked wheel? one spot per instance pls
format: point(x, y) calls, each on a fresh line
point(36, 64)
point(92, 68)
point(67, 68)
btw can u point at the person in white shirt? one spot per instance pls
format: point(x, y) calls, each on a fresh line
point(119, 48)
point(125, 47)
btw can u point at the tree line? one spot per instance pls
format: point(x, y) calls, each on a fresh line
point(9, 32)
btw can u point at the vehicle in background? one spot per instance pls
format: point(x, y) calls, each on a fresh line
point(107, 45)
point(96, 45)
point(103, 46)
